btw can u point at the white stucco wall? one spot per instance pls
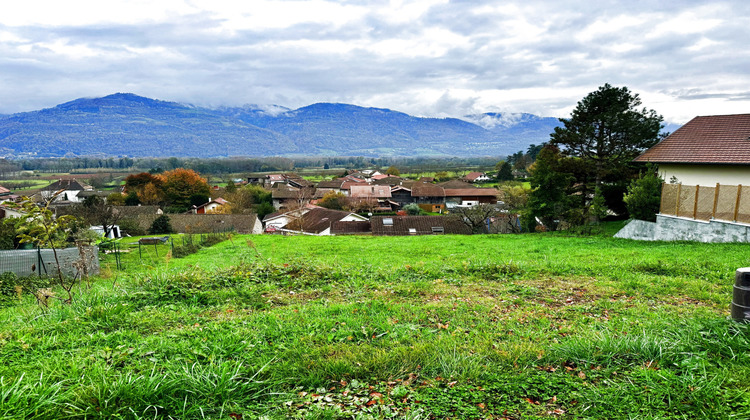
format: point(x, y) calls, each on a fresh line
point(706, 175)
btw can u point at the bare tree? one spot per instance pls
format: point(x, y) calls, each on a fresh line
point(477, 218)
point(97, 212)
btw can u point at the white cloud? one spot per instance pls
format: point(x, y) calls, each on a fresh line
point(425, 57)
point(89, 12)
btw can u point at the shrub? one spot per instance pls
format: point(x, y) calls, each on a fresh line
point(644, 196)
point(131, 227)
point(412, 209)
point(161, 225)
point(7, 234)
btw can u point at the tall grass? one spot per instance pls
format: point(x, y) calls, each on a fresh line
point(435, 327)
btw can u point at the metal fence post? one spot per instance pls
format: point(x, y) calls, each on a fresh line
point(39, 261)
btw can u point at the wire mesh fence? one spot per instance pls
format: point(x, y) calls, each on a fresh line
point(41, 262)
point(722, 202)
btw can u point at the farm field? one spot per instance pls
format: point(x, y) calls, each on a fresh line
point(492, 326)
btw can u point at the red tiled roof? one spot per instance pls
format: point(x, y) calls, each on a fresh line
point(427, 190)
point(367, 191)
point(340, 228)
point(718, 139)
point(317, 220)
point(335, 183)
point(347, 185)
point(455, 183)
point(471, 176)
point(67, 185)
point(473, 192)
point(419, 225)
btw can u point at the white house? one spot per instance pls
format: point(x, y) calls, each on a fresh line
point(705, 151)
point(70, 188)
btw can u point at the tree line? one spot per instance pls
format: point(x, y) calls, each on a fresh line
point(220, 166)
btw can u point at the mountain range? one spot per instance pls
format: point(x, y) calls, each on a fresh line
point(125, 124)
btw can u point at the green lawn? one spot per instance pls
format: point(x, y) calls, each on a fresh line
point(501, 326)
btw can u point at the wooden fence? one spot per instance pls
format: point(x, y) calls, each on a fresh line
point(722, 202)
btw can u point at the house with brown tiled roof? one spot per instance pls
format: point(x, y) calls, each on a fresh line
point(68, 188)
point(351, 228)
point(387, 180)
point(476, 177)
point(468, 197)
point(286, 196)
point(705, 151)
point(373, 197)
point(6, 195)
point(319, 221)
point(417, 225)
point(401, 195)
point(429, 197)
point(455, 183)
point(211, 206)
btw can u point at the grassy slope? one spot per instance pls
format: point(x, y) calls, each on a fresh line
point(518, 326)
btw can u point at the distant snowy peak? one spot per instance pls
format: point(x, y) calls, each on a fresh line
point(504, 120)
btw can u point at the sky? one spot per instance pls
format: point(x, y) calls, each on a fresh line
point(436, 58)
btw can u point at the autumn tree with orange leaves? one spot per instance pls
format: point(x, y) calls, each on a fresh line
point(179, 188)
point(184, 187)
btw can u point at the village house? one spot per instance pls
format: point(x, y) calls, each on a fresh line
point(351, 228)
point(706, 197)
point(210, 207)
point(401, 196)
point(9, 212)
point(286, 196)
point(310, 220)
point(373, 197)
point(429, 197)
point(7, 195)
point(469, 197)
point(71, 188)
point(705, 151)
point(417, 225)
point(476, 177)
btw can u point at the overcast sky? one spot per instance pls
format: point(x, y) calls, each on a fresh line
point(422, 57)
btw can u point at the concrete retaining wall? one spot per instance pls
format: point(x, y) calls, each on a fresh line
point(671, 228)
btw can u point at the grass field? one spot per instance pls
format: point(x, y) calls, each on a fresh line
point(513, 326)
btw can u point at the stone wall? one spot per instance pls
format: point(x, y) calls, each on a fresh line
point(204, 223)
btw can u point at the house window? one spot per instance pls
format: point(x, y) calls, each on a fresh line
point(412, 231)
point(388, 221)
point(438, 230)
